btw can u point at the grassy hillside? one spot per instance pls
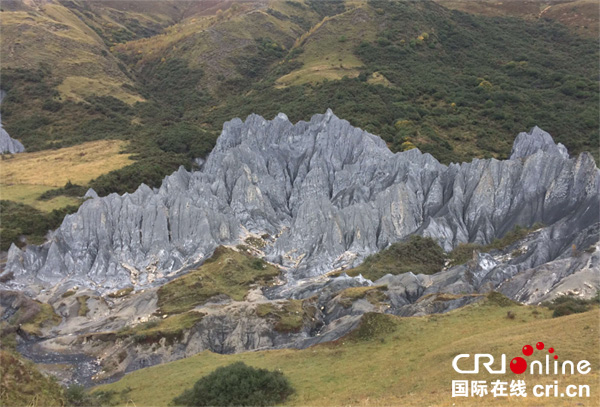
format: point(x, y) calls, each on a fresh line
point(327, 48)
point(397, 361)
point(166, 75)
point(227, 272)
point(39, 188)
point(53, 35)
point(453, 84)
point(581, 16)
point(26, 176)
point(232, 49)
point(23, 385)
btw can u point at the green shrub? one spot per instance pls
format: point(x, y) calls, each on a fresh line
point(237, 385)
point(463, 253)
point(69, 189)
point(420, 255)
point(499, 299)
point(18, 220)
point(257, 264)
point(327, 8)
point(374, 325)
point(68, 293)
point(52, 105)
point(77, 396)
point(569, 304)
point(287, 317)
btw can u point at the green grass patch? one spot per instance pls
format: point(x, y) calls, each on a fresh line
point(172, 328)
point(407, 364)
point(518, 233)
point(31, 317)
point(68, 293)
point(289, 317)
point(83, 307)
point(500, 300)
point(420, 255)
point(374, 325)
point(226, 272)
point(123, 292)
point(464, 251)
point(23, 385)
point(43, 318)
point(569, 304)
point(375, 295)
point(255, 242)
point(30, 195)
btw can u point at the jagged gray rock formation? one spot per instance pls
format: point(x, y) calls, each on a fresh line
point(90, 194)
point(7, 143)
point(537, 139)
point(328, 313)
point(326, 194)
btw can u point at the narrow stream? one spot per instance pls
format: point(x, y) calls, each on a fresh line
point(81, 367)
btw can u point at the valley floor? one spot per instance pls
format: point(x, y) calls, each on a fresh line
point(400, 361)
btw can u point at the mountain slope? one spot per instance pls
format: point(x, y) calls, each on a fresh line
point(417, 74)
point(52, 35)
point(410, 363)
point(580, 16)
point(23, 385)
point(137, 280)
point(244, 54)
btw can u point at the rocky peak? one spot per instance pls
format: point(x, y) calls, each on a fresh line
point(536, 140)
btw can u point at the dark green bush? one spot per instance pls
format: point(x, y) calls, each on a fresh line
point(499, 299)
point(569, 304)
point(257, 264)
point(463, 253)
point(420, 255)
point(259, 57)
point(374, 325)
point(69, 189)
point(174, 84)
point(77, 396)
point(17, 220)
point(52, 105)
point(327, 8)
point(185, 138)
point(237, 385)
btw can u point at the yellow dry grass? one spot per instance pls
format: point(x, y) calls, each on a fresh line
point(78, 164)
point(69, 47)
point(29, 194)
point(411, 366)
point(25, 176)
point(378, 79)
point(328, 48)
point(580, 16)
point(315, 74)
point(78, 88)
